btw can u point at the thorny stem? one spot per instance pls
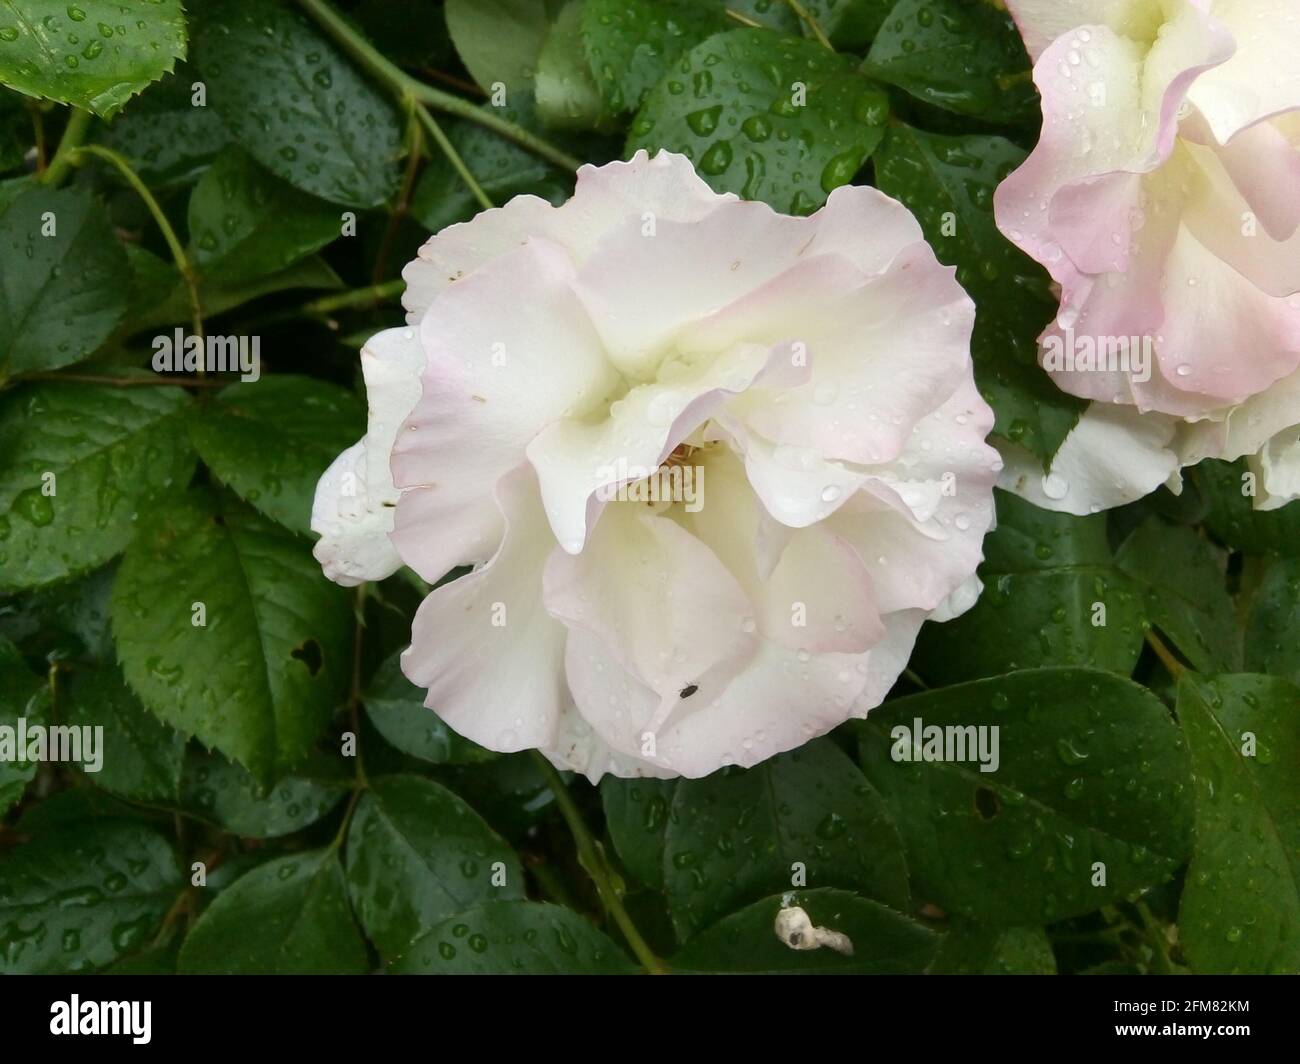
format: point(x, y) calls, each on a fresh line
point(65, 157)
point(403, 85)
point(169, 234)
point(592, 860)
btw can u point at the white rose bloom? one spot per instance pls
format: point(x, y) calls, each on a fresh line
point(713, 466)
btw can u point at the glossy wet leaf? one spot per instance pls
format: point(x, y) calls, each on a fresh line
point(221, 792)
point(94, 54)
point(1273, 625)
point(296, 104)
point(259, 680)
point(1233, 518)
point(287, 917)
point(513, 938)
point(140, 757)
point(631, 44)
point(1241, 905)
point(417, 854)
point(568, 96)
point(396, 708)
point(503, 169)
point(78, 898)
point(167, 138)
point(767, 117)
point(82, 463)
point(636, 817)
point(65, 620)
point(270, 440)
point(244, 222)
point(499, 40)
point(969, 949)
point(1052, 596)
point(23, 695)
point(961, 56)
point(1090, 771)
point(739, 835)
point(1183, 579)
point(61, 270)
point(885, 942)
point(850, 24)
point(948, 183)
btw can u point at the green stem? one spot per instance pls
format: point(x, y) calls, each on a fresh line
point(591, 859)
point(453, 156)
point(371, 295)
point(1155, 936)
point(403, 85)
point(123, 382)
point(744, 20)
point(65, 158)
point(1172, 665)
point(169, 234)
point(813, 25)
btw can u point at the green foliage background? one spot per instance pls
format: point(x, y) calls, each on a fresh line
point(227, 744)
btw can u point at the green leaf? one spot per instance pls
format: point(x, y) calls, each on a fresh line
point(165, 137)
point(970, 949)
point(1272, 645)
point(1241, 905)
point(417, 854)
point(885, 942)
point(396, 708)
point(217, 297)
point(636, 814)
point(297, 105)
point(289, 916)
point(82, 461)
point(259, 680)
point(566, 90)
point(1183, 578)
point(95, 54)
point(1044, 574)
point(1233, 518)
point(1090, 769)
point(504, 170)
point(732, 105)
point(80, 897)
point(513, 938)
point(499, 40)
point(245, 223)
point(961, 56)
point(24, 695)
point(220, 791)
point(141, 756)
point(740, 835)
point(270, 440)
point(65, 620)
point(850, 24)
point(948, 183)
point(631, 44)
point(61, 271)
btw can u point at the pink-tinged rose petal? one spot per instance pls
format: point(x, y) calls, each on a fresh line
point(714, 467)
point(673, 615)
point(484, 645)
point(355, 499)
point(510, 350)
